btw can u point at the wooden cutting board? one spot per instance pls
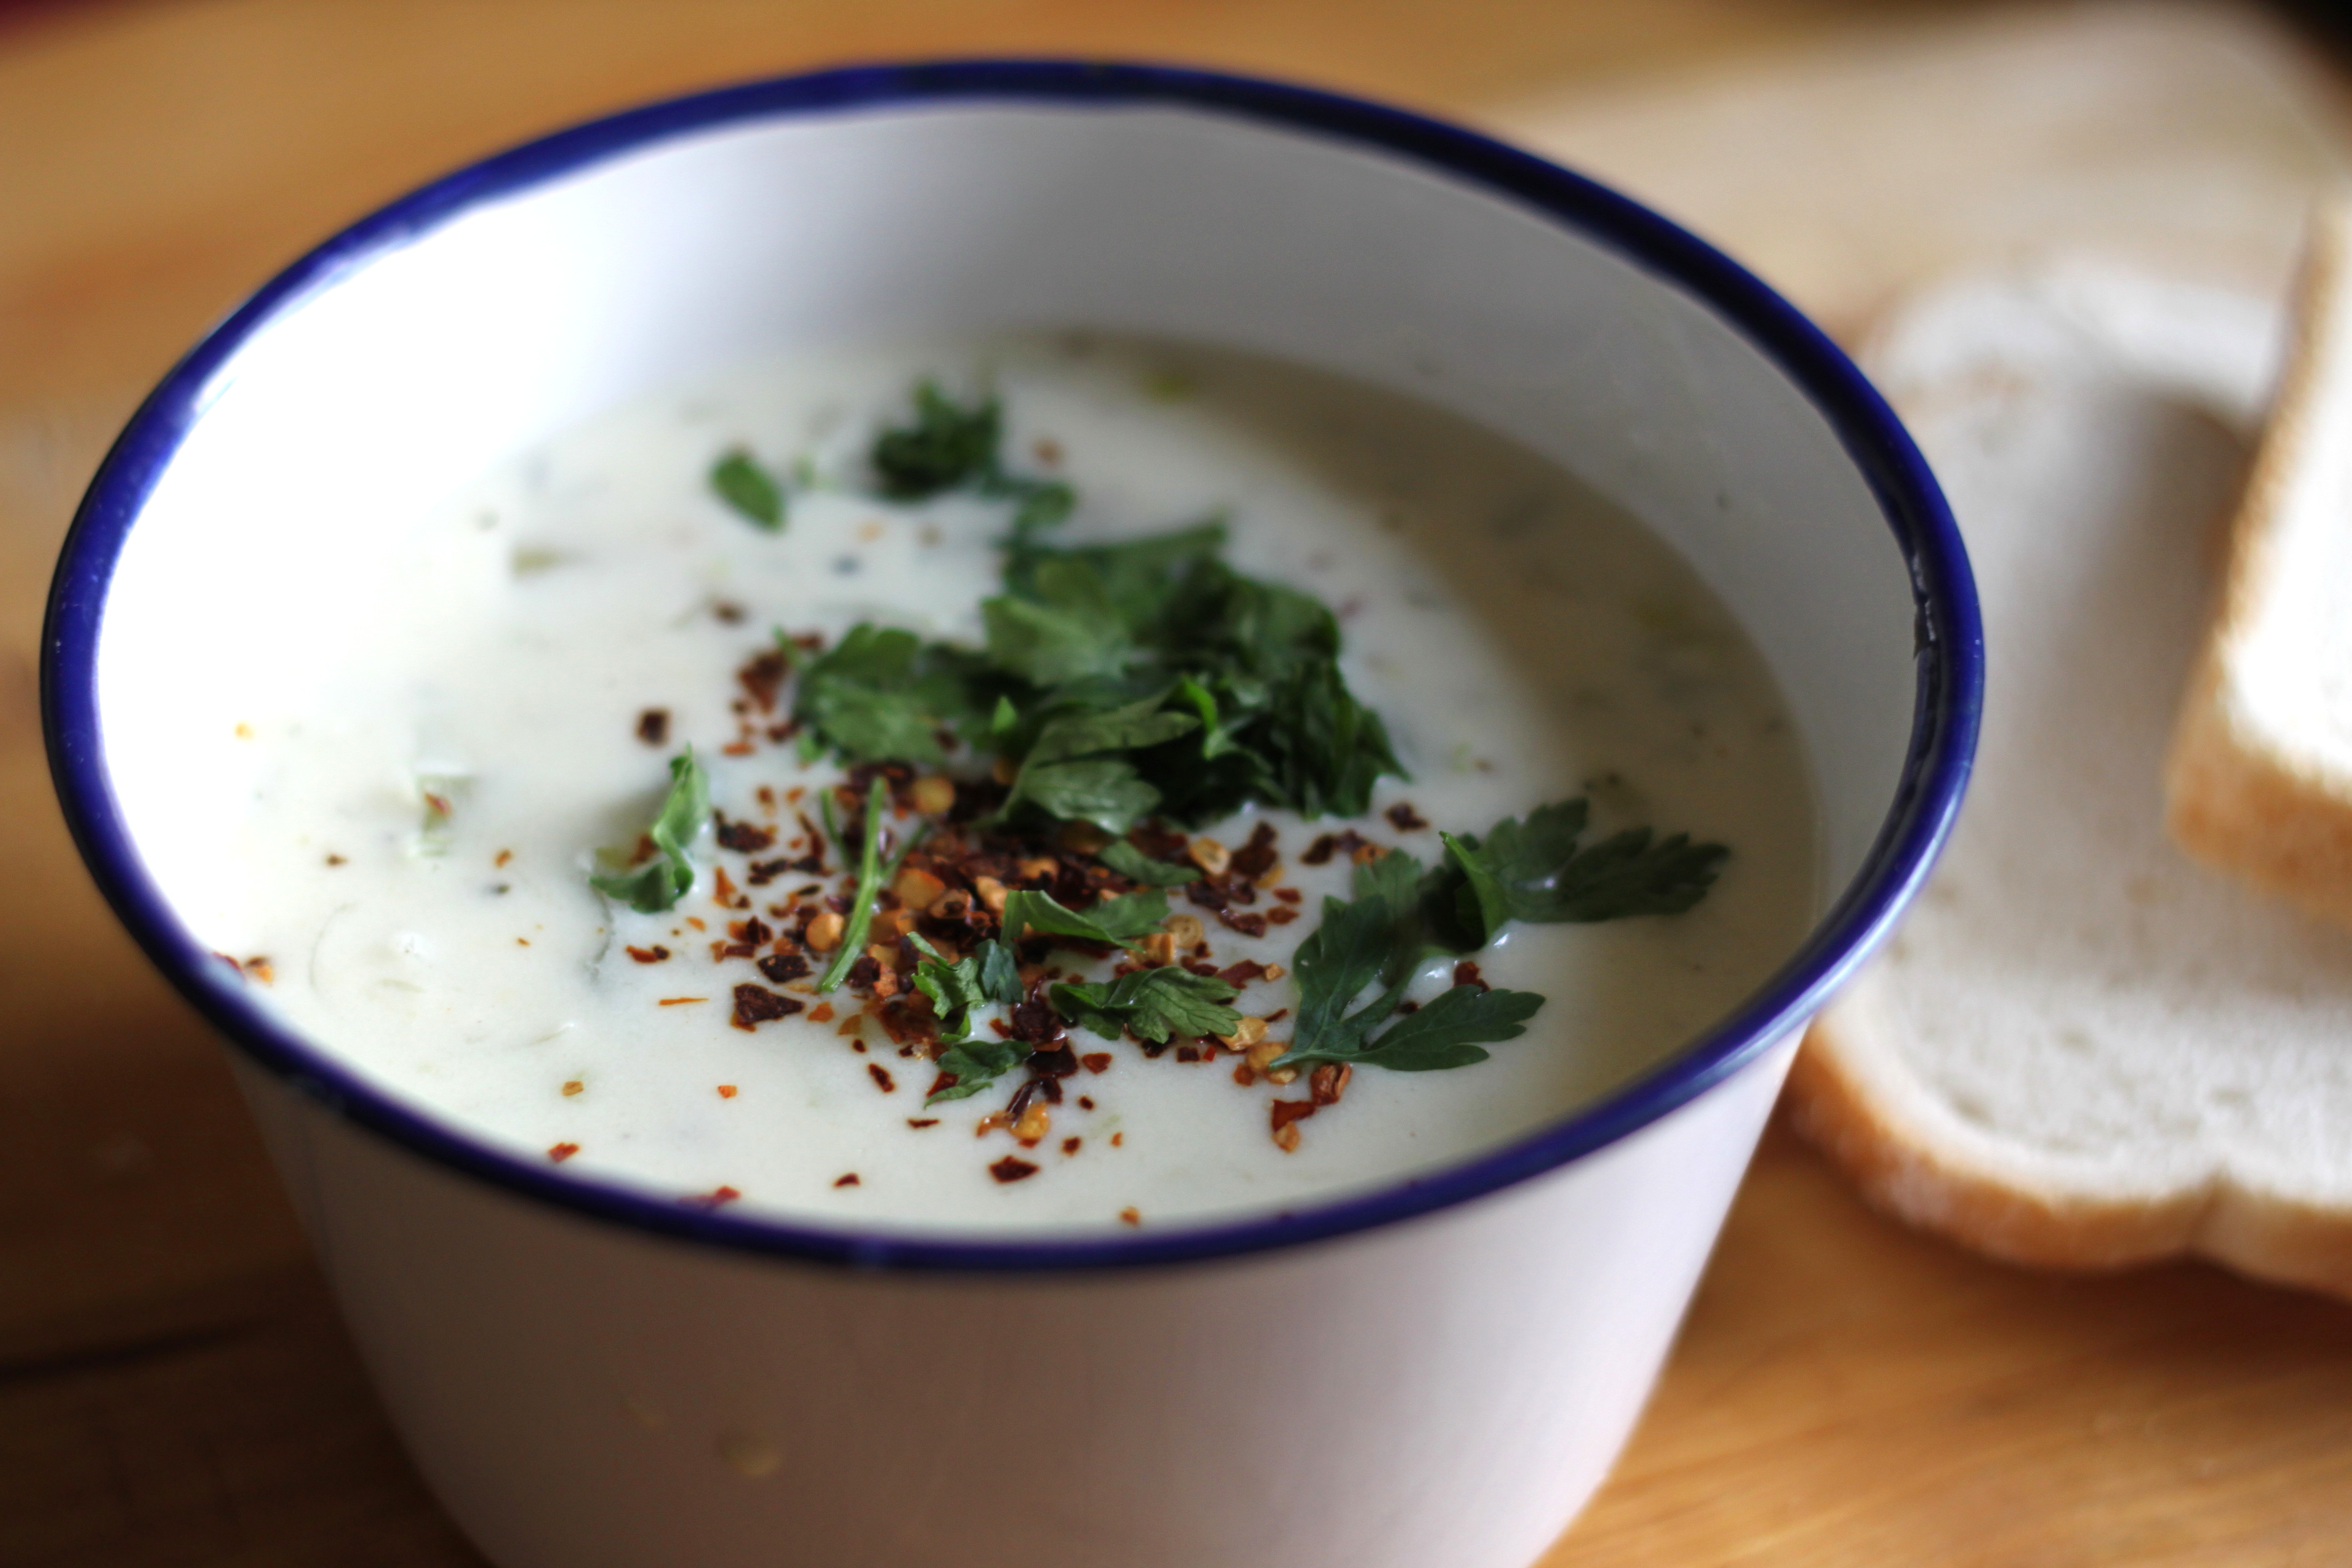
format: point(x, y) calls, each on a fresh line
point(173, 1386)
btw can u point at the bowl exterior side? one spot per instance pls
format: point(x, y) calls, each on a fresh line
point(1446, 1391)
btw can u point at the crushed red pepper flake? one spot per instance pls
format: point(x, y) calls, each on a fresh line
point(1010, 1169)
point(726, 1091)
point(502, 856)
point(849, 1181)
point(1117, 1139)
point(743, 838)
point(1096, 1061)
point(337, 860)
point(1086, 1102)
point(922, 1121)
point(1403, 818)
point(881, 1077)
point(562, 1152)
point(756, 1005)
point(1466, 973)
point(681, 1001)
point(260, 969)
point(821, 1013)
point(1130, 1216)
point(1070, 1145)
point(573, 1086)
point(712, 1199)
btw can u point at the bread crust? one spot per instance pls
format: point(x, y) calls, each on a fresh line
point(2236, 799)
point(1905, 1171)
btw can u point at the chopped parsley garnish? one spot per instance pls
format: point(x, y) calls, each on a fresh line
point(750, 489)
point(1153, 1003)
point(661, 881)
point(1137, 866)
point(884, 694)
point(1533, 870)
point(869, 883)
point(947, 445)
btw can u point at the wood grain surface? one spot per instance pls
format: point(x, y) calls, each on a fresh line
point(174, 1388)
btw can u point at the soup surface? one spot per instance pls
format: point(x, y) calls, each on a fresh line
point(497, 726)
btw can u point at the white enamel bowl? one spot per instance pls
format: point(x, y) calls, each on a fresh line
point(1432, 1376)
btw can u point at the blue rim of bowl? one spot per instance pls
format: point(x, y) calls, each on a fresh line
point(1949, 655)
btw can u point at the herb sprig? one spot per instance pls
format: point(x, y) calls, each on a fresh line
point(1117, 681)
point(658, 884)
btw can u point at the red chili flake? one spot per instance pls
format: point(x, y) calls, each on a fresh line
point(1248, 925)
point(756, 1005)
point(1282, 915)
point(261, 970)
point(502, 857)
point(1012, 1170)
point(1070, 1145)
point(1054, 1061)
point(743, 838)
point(562, 1152)
point(1408, 1008)
point(728, 611)
point(1287, 895)
point(1319, 852)
point(722, 891)
point(882, 1078)
point(762, 677)
point(712, 1200)
point(944, 1081)
point(822, 1012)
point(695, 921)
point(1276, 1016)
point(1286, 1111)
point(849, 1181)
point(1130, 1216)
point(1207, 894)
point(1086, 1102)
point(653, 726)
point(726, 1091)
point(783, 967)
point(1256, 858)
point(1328, 1081)
point(738, 748)
point(1037, 1022)
point(1200, 965)
point(681, 1001)
point(1117, 1139)
point(1466, 973)
point(1188, 1053)
point(1241, 973)
point(1403, 818)
point(922, 1121)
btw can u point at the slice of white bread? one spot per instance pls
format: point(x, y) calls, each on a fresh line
point(2082, 1049)
point(2260, 780)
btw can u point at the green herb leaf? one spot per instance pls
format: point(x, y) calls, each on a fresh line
point(1131, 916)
point(882, 695)
point(977, 1064)
point(1445, 1033)
point(950, 444)
point(1137, 866)
point(1030, 910)
point(1533, 870)
point(660, 882)
point(1077, 770)
point(1154, 1002)
point(750, 488)
point(869, 884)
point(955, 989)
point(1343, 956)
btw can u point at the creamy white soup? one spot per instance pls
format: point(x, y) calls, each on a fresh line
point(567, 847)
